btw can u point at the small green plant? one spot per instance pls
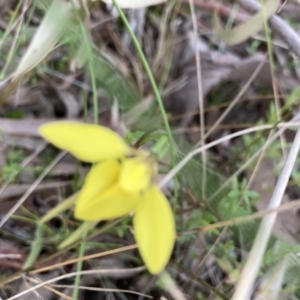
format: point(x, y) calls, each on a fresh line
point(238, 201)
point(12, 168)
point(132, 136)
point(15, 114)
point(253, 47)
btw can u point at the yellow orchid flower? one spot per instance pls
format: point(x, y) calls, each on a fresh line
point(121, 181)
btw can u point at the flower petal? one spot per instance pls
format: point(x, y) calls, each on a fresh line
point(135, 174)
point(87, 142)
point(154, 229)
point(101, 197)
point(113, 204)
point(102, 177)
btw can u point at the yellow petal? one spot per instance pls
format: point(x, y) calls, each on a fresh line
point(135, 174)
point(101, 197)
point(112, 204)
point(154, 229)
point(87, 142)
point(102, 176)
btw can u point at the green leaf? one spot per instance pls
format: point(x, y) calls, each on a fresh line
point(241, 33)
point(36, 247)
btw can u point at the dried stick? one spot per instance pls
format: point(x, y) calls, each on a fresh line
point(251, 268)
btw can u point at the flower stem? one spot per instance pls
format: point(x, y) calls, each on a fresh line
point(149, 74)
point(155, 92)
point(79, 269)
point(91, 68)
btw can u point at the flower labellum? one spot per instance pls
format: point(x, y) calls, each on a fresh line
point(121, 181)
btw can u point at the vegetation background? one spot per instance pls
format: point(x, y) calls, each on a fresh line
point(210, 87)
